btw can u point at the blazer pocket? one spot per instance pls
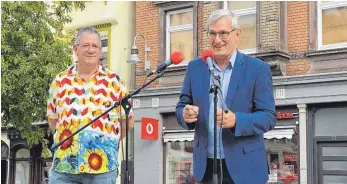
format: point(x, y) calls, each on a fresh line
point(254, 146)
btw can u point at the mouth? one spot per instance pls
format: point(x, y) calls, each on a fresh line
point(219, 47)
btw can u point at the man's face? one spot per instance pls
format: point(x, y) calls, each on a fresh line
point(88, 50)
point(223, 47)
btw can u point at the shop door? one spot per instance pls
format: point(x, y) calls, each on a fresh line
point(3, 171)
point(332, 162)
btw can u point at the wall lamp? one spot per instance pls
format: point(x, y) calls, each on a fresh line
point(134, 57)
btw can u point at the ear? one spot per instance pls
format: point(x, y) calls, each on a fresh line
point(75, 47)
point(238, 32)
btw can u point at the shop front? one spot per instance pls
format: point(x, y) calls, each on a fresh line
point(293, 147)
point(281, 148)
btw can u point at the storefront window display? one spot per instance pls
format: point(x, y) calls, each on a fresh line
point(179, 164)
point(283, 161)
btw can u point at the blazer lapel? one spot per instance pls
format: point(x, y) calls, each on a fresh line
point(235, 77)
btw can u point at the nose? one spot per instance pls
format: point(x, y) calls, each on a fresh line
point(217, 39)
point(90, 49)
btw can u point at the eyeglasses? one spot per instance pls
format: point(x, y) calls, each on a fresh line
point(86, 47)
point(222, 34)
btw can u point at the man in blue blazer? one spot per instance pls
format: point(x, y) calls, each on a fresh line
point(246, 84)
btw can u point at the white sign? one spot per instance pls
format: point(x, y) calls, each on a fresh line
point(149, 128)
point(273, 176)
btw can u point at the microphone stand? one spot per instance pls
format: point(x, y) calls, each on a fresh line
point(125, 104)
point(216, 90)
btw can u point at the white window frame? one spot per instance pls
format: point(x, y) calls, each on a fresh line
point(320, 7)
point(179, 28)
point(242, 12)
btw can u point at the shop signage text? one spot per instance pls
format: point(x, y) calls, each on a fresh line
point(286, 115)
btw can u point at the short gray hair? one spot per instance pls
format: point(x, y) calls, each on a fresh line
point(86, 30)
point(220, 13)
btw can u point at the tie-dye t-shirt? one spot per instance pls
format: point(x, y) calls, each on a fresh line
point(74, 102)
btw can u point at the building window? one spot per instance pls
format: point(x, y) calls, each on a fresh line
point(282, 156)
point(179, 33)
point(179, 162)
point(246, 11)
point(105, 32)
point(282, 152)
point(332, 24)
point(22, 166)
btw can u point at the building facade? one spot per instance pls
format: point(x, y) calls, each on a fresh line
point(115, 22)
point(305, 44)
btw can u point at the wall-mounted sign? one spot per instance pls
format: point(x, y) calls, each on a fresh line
point(149, 128)
point(286, 115)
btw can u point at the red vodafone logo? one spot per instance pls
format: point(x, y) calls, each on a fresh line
point(149, 128)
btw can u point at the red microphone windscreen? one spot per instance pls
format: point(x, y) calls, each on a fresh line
point(176, 57)
point(207, 53)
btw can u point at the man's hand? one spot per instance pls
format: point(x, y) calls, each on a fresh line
point(130, 126)
point(229, 119)
point(190, 113)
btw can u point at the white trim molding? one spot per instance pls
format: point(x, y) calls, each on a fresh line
point(324, 6)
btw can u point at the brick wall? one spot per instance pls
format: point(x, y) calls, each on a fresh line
point(204, 11)
point(298, 36)
point(147, 24)
point(270, 37)
point(298, 26)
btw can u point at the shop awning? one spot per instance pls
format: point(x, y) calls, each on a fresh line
point(178, 136)
point(280, 133)
point(277, 133)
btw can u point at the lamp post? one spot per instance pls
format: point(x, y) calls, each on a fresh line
point(134, 57)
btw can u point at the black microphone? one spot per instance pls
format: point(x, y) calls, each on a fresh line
point(208, 57)
point(175, 58)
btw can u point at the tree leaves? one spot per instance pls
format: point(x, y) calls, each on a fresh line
point(31, 56)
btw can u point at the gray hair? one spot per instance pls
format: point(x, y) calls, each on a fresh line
point(86, 30)
point(220, 13)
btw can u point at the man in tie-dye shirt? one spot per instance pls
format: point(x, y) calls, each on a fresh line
point(78, 95)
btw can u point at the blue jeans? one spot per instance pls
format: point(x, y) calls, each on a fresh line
point(64, 178)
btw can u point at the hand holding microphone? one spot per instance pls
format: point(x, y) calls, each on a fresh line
point(175, 58)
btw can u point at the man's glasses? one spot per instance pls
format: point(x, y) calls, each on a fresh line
point(222, 34)
point(86, 47)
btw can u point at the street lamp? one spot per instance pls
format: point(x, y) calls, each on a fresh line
point(134, 57)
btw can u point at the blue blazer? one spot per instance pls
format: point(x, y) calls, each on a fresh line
point(250, 97)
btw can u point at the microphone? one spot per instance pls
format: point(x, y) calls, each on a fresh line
point(208, 57)
point(175, 58)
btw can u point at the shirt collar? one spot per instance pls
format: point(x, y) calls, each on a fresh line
point(73, 70)
point(231, 61)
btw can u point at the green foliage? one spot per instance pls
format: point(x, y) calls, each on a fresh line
point(31, 56)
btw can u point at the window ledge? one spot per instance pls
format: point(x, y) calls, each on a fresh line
point(326, 52)
point(168, 3)
point(276, 59)
point(267, 54)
